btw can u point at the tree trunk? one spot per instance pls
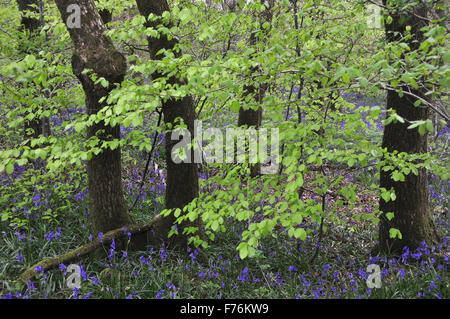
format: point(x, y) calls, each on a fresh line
point(411, 208)
point(252, 117)
point(32, 128)
point(94, 50)
point(182, 179)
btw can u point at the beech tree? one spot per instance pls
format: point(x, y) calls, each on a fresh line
point(95, 51)
point(411, 211)
point(252, 117)
point(182, 178)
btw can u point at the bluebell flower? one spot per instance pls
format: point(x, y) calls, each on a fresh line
point(62, 267)
point(336, 275)
point(143, 260)
point(38, 269)
point(159, 294)
point(58, 234)
point(49, 236)
point(163, 254)
point(83, 272)
point(75, 292)
point(95, 281)
point(86, 296)
point(243, 276)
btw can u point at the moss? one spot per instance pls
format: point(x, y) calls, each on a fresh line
point(141, 236)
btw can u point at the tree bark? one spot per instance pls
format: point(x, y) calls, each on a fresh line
point(411, 208)
point(251, 117)
point(94, 50)
point(182, 179)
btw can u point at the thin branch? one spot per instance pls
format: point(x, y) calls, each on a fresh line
point(148, 162)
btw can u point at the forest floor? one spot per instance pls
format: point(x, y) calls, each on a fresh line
point(285, 269)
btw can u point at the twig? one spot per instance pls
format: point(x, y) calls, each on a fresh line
point(3, 30)
point(148, 163)
point(319, 240)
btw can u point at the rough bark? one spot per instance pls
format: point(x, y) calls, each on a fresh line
point(411, 208)
point(182, 179)
point(94, 50)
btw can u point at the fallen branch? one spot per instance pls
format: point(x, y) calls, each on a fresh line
point(135, 237)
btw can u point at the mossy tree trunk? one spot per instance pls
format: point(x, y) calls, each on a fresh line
point(252, 117)
point(94, 50)
point(182, 178)
point(411, 207)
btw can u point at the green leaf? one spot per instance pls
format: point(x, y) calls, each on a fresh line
point(422, 129)
point(446, 57)
point(30, 60)
point(394, 232)
point(415, 124)
point(5, 216)
point(114, 144)
point(103, 82)
point(393, 196)
point(386, 195)
point(398, 176)
point(215, 225)
point(429, 126)
point(235, 106)
point(351, 162)
point(10, 168)
point(394, 83)
point(345, 77)
point(243, 250)
point(364, 82)
point(300, 233)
